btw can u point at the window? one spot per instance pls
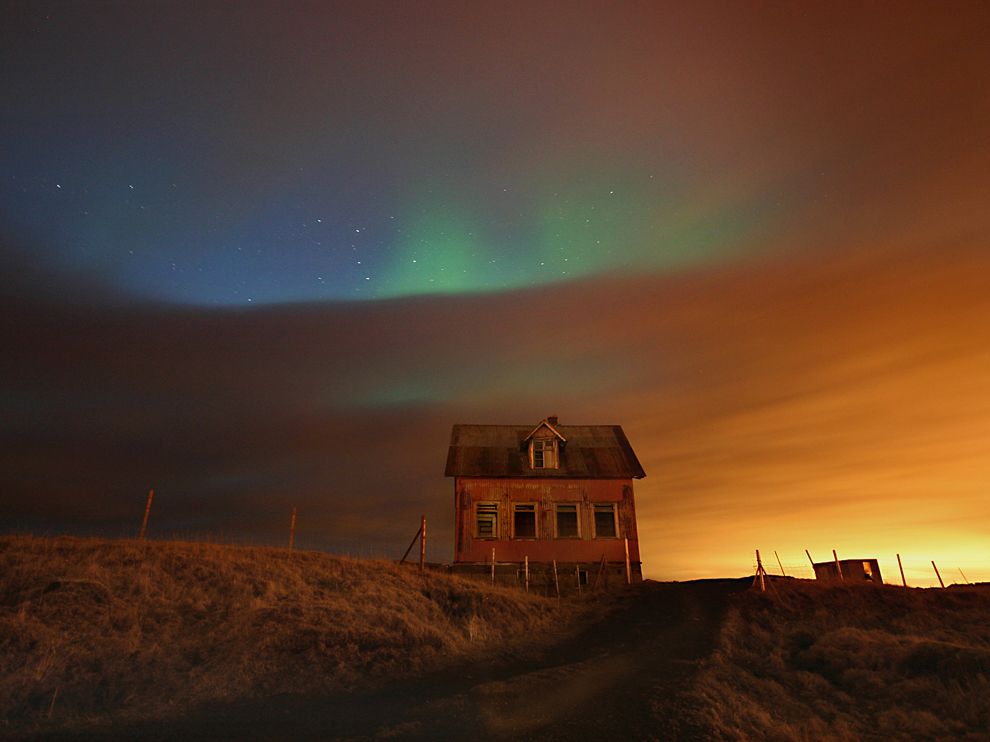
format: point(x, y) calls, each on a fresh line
point(567, 521)
point(544, 453)
point(486, 520)
point(867, 570)
point(605, 521)
point(524, 521)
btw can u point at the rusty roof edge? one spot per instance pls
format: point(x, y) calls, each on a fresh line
point(449, 469)
point(620, 434)
point(541, 474)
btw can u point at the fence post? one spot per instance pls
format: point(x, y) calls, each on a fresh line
point(628, 565)
point(760, 571)
point(411, 544)
point(292, 530)
point(526, 571)
point(782, 572)
point(422, 544)
point(601, 572)
point(901, 567)
point(838, 567)
point(941, 584)
point(493, 565)
point(51, 706)
point(577, 577)
point(147, 512)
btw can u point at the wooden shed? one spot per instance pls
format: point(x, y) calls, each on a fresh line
point(852, 570)
point(543, 493)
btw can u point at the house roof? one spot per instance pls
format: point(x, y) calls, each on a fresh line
point(590, 452)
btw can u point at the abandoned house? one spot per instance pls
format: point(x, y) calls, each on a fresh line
point(544, 493)
point(851, 570)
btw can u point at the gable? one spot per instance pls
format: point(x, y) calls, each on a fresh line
point(545, 430)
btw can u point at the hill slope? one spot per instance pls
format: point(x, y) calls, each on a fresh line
point(95, 628)
point(167, 640)
point(848, 662)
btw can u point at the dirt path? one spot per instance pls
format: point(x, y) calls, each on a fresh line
point(618, 679)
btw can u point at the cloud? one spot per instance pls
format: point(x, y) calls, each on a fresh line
point(801, 402)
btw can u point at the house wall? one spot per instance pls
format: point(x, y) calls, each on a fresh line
point(544, 493)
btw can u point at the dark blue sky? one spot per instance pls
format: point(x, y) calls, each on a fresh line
point(205, 154)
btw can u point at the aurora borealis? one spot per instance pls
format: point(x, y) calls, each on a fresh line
point(265, 254)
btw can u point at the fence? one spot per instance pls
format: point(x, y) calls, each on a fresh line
point(918, 570)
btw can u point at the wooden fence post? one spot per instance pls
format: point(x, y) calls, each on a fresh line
point(941, 584)
point(901, 567)
point(147, 512)
point(782, 572)
point(760, 572)
point(51, 706)
point(422, 544)
point(292, 530)
point(602, 572)
point(493, 565)
point(556, 581)
point(838, 567)
point(411, 544)
point(526, 571)
point(577, 577)
point(628, 565)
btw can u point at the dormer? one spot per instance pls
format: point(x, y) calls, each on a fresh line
point(545, 444)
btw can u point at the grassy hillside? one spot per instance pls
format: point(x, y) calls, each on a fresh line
point(849, 662)
point(136, 631)
point(129, 628)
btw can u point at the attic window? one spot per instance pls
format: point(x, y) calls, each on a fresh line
point(544, 453)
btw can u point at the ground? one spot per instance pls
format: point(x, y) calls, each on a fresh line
point(622, 677)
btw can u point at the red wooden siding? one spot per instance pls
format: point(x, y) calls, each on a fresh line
point(544, 493)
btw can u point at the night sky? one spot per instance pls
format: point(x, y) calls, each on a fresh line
point(264, 255)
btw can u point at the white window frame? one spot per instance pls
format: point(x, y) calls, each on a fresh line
point(491, 509)
point(525, 508)
point(556, 521)
point(549, 452)
point(594, 520)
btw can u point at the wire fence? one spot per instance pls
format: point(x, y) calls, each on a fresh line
point(919, 571)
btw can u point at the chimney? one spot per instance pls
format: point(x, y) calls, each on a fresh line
point(552, 419)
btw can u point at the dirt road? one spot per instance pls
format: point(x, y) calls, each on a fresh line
point(618, 679)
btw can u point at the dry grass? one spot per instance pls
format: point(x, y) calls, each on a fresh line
point(849, 663)
point(150, 629)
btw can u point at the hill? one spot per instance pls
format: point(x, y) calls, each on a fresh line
point(848, 662)
point(96, 629)
point(169, 640)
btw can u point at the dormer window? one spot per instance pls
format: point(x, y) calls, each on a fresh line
point(544, 453)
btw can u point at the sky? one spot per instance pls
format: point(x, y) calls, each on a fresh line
point(264, 255)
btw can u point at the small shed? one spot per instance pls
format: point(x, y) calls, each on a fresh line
point(852, 570)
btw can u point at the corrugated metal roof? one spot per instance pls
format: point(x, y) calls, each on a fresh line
point(591, 452)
